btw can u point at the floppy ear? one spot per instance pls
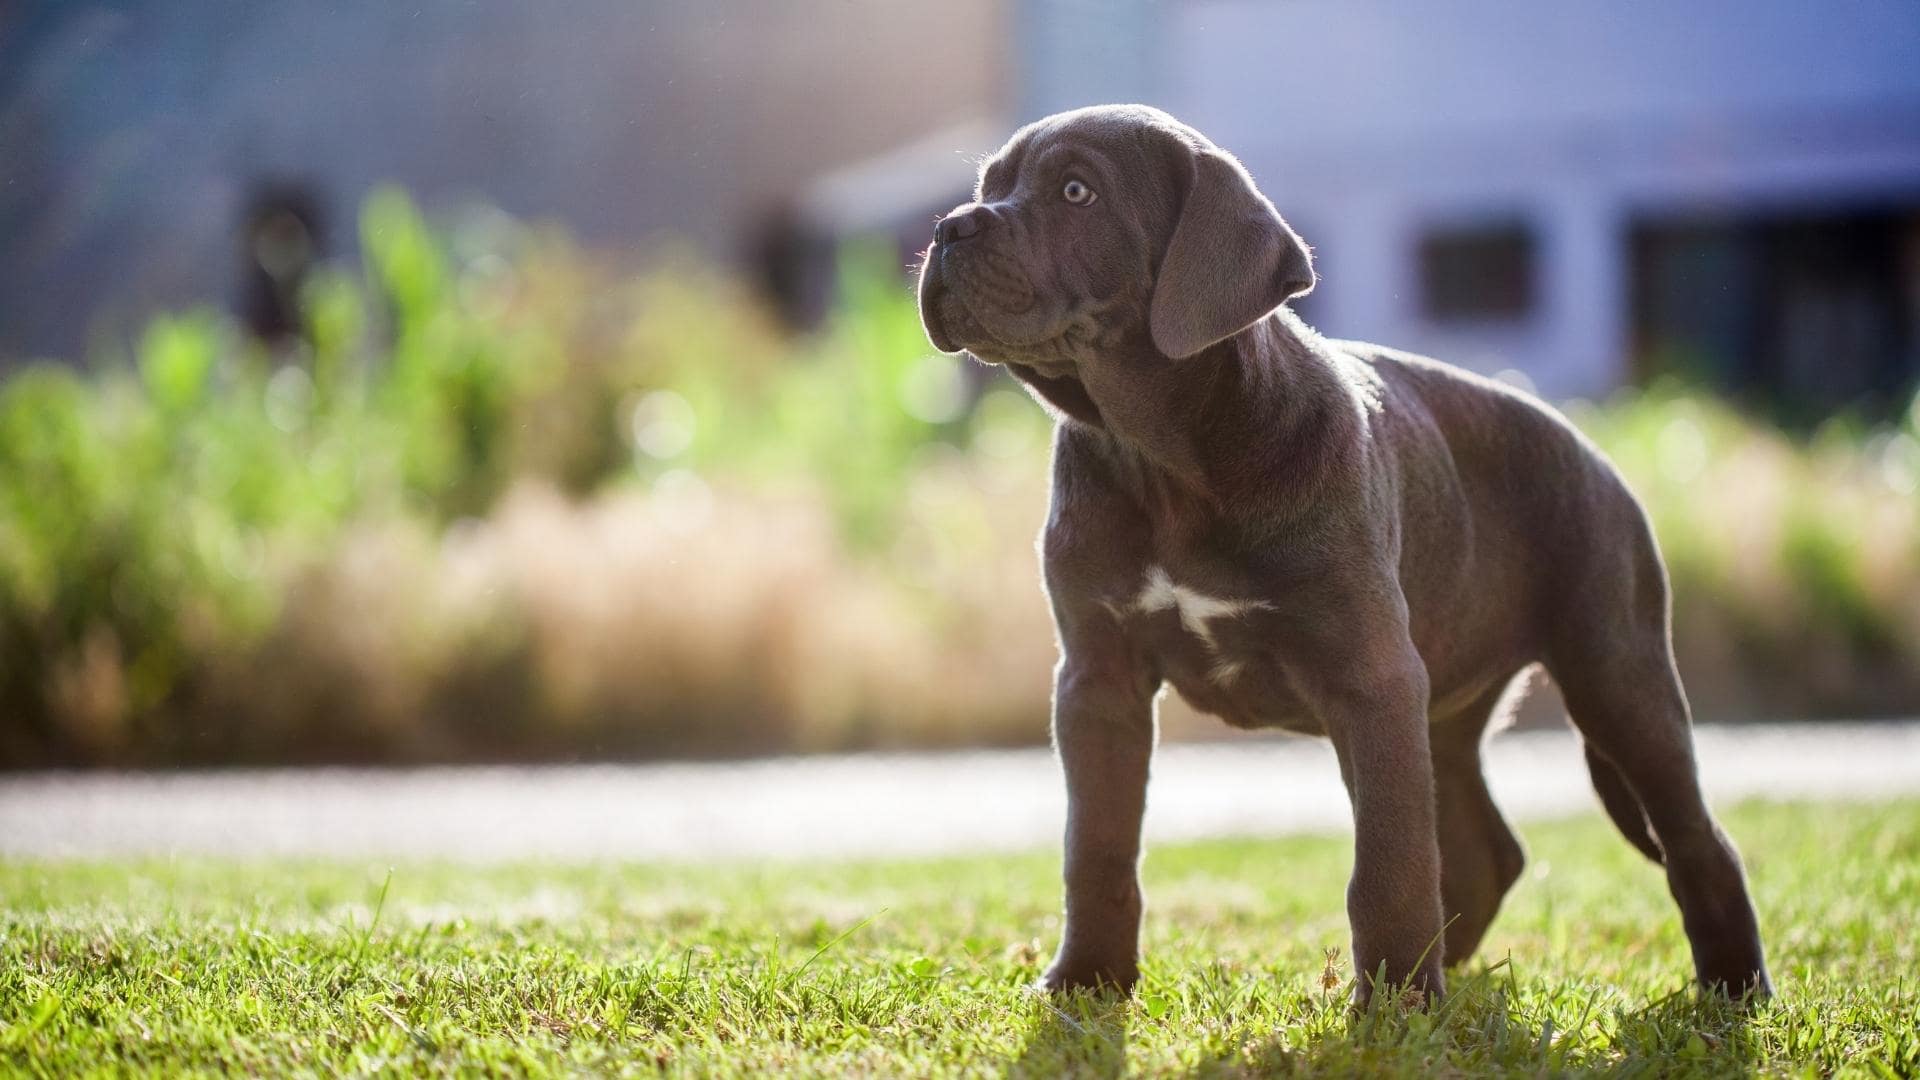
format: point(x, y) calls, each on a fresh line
point(1230, 262)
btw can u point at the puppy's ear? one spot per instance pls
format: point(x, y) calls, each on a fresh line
point(1230, 262)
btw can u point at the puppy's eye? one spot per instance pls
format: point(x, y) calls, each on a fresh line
point(1077, 193)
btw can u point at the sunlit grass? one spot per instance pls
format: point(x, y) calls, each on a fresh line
point(921, 968)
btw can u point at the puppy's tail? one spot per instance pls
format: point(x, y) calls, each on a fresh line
point(1623, 806)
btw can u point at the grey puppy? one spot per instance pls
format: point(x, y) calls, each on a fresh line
point(1320, 536)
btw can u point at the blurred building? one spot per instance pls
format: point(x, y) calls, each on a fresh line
point(140, 140)
point(1590, 191)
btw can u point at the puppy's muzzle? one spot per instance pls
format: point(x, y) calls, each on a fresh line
point(972, 247)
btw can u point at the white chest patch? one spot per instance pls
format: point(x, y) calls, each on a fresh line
point(1197, 610)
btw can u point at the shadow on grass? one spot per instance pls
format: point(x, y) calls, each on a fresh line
point(1695, 1031)
point(1079, 1035)
point(1486, 1026)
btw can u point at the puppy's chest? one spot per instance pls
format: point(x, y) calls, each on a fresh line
point(1212, 639)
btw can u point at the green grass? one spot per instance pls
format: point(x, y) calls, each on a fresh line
point(921, 967)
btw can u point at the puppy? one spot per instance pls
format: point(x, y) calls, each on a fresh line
point(1320, 536)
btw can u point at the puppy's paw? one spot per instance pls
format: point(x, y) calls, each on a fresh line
point(1420, 990)
point(1748, 990)
point(1067, 975)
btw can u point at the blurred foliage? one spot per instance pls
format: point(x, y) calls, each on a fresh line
point(506, 500)
point(157, 510)
point(1796, 562)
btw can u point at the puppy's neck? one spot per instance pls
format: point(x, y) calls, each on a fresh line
point(1240, 423)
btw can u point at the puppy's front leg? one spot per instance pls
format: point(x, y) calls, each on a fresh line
point(1103, 731)
point(1376, 714)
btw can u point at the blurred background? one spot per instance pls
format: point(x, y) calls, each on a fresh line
point(485, 381)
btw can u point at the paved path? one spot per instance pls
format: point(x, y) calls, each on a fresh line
point(854, 805)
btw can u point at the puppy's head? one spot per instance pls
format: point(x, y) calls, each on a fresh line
point(1100, 227)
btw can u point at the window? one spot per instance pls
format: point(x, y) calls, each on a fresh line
point(1477, 273)
point(1798, 311)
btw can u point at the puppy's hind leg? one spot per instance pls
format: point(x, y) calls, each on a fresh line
point(1615, 668)
point(1622, 805)
point(1480, 857)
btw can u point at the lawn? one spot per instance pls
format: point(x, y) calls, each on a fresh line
point(921, 968)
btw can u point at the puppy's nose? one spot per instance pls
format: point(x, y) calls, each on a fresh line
point(962, 223)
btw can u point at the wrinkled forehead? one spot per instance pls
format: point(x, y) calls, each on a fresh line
point(1117, 143)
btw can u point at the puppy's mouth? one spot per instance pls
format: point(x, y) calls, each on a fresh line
point(985, 309)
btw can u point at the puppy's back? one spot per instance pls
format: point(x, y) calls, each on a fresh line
point(1545, 517)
